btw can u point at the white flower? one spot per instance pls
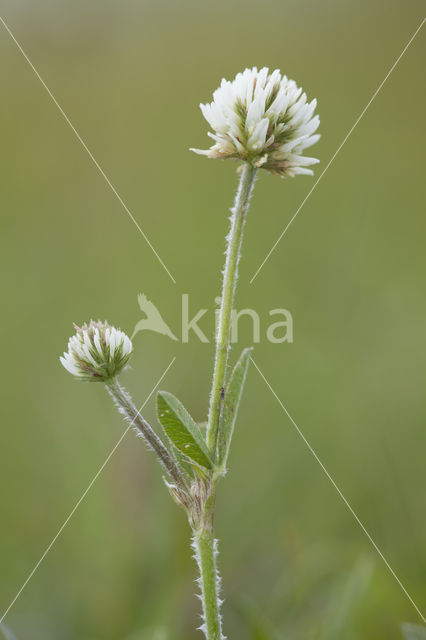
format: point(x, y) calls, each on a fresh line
point(262, 118)
point(97, 352)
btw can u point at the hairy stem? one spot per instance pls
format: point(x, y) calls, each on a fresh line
point(128, 409)
point(205, 548)
point(230, 275)
point(204, 543)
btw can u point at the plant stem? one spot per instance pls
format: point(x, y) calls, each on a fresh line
point(127, 408)
point(230, 275)
point(205, 547)
point(204, 543)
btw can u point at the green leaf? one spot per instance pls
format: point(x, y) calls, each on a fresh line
point(183, 463)
point(181, 429)
point(413, 631)
point(231, 403)
point(6, 633)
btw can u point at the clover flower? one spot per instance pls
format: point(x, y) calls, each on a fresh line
point(262, 118)
point(97, 352)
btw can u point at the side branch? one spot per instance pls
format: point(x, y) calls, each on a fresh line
point(127, 408)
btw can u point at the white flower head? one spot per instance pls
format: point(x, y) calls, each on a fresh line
point(97, 352)
point(265, 119)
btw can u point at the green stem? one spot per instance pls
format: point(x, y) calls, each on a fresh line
point(230, 275)
point(128, 409)
point(205, 549)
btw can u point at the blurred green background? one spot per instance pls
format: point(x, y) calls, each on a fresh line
point(351, 270)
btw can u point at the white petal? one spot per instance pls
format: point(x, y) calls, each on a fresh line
point(97, 342)
point(310, 127)
point(308, 142)
point(255, 113)
point(257, 140)
point(69, 365)
point(88, 356)
point(302, 171)
point(127, 345)
point(112, 340)
point(200, 152)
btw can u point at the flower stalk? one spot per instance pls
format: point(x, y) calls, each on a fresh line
point(230, 276)
point(128, 409)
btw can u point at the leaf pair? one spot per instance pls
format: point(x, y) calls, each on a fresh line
point(185, 434)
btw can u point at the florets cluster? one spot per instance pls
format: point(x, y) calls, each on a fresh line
point(262, 118)
point(97, 352)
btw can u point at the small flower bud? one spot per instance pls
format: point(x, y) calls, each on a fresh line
point(262, 118)
point(97, 352)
